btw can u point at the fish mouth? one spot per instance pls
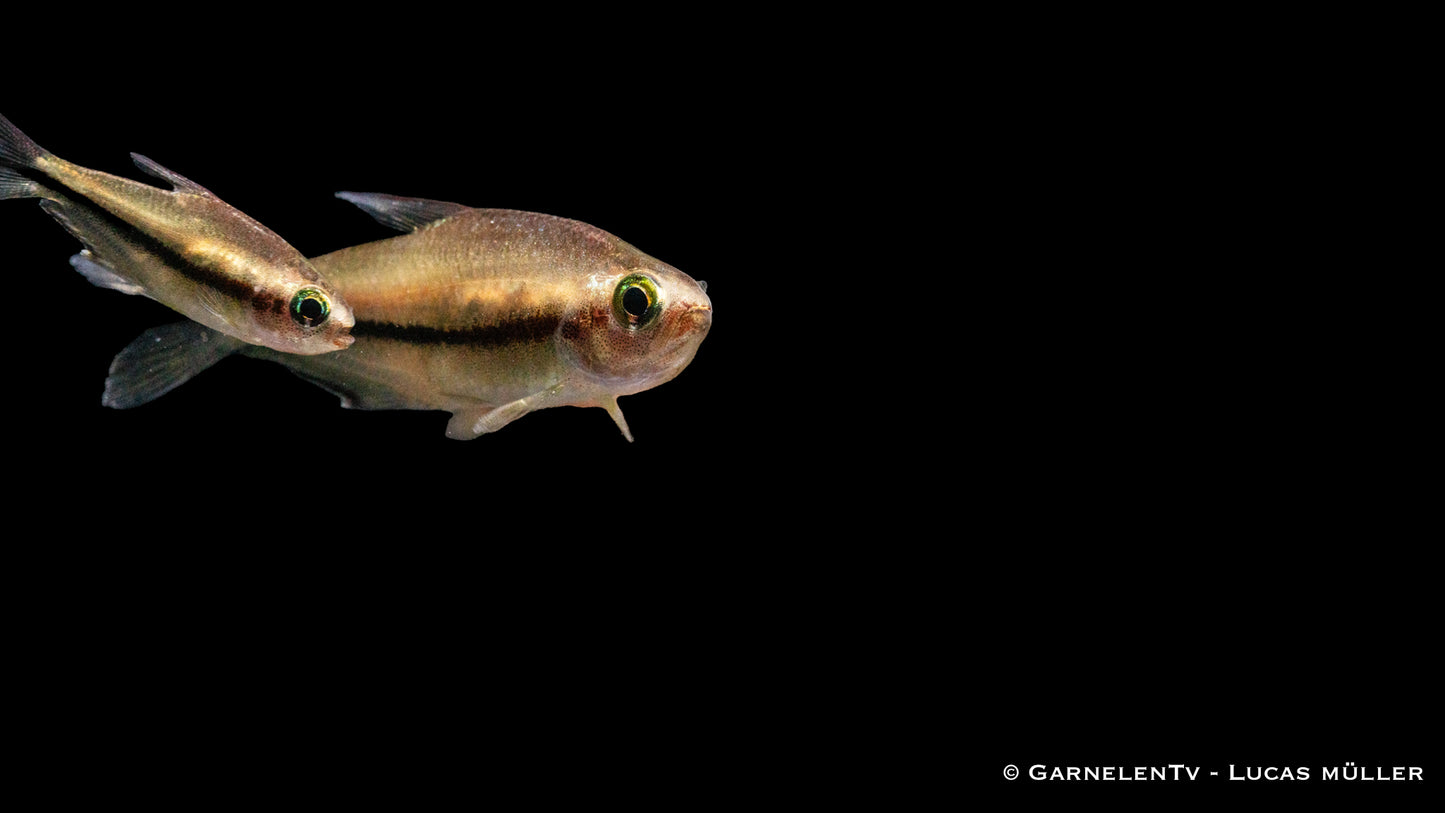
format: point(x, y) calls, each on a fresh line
point(343, 341)
point(700, 315)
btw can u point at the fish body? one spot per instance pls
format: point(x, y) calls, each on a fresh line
point(484, 313)
point(183, 247)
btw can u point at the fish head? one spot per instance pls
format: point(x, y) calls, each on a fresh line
point(306, 317)
point(637, 326)
point(322, 319)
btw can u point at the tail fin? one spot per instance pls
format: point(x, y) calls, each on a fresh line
point(161, 359)
point(17, 152)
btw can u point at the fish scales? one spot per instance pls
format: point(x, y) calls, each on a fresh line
point(481, 268)
point(465, 312)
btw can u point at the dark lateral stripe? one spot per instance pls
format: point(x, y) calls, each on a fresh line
point(526, 329)
point(82, 218)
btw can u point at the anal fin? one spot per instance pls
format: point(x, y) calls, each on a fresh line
point(101, 276)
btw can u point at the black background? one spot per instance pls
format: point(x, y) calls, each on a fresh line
point(353, 597)
point(1031, 428)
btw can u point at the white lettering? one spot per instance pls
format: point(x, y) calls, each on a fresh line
point(1040, 772)
point(1269, 773)
point(1351, 772)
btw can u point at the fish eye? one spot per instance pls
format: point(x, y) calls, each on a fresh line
point(310, 307)
point(635, 302)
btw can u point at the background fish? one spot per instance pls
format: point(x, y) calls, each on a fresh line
point(485, 313)
point(184, 248)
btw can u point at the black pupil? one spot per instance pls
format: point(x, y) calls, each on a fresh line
point(310, 309)
point(635, 301)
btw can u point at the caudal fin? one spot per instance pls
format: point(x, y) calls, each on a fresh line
point(17, 153)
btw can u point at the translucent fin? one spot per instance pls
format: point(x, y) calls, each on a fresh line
point(162, 359)
point(178, 182)
point(101, 238)
point(17, 152)
point(616, 412)
point(14, 185)
point(16, 148)
point(82, 224)
point(471, 423)
point(101, 276)
point(403, 214)
point(214, 302)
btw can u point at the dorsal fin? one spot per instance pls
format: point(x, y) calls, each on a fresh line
point(403, 214)
point(179, 183)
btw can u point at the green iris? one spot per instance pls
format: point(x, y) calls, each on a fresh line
point(635, 302)
point(310, 307)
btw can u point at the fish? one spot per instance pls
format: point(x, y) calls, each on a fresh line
point(488, 314)
point(183, 247)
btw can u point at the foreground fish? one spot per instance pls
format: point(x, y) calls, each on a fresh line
point(485, 313)
point(184, 248)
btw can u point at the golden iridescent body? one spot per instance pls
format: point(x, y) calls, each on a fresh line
point(183, 247)
point(485, 313)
